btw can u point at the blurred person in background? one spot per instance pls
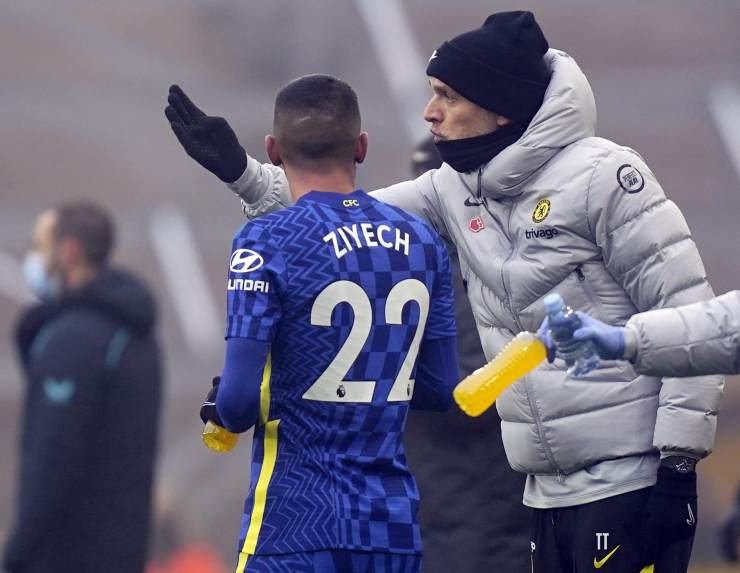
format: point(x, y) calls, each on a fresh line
point(90, 417)
point(472, 514)
point(536, 203)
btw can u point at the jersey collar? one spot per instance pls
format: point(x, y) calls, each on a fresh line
point(358, 198)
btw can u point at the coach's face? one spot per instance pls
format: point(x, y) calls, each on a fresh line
point(454, 117)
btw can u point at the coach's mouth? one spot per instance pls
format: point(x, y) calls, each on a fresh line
point(437, 137)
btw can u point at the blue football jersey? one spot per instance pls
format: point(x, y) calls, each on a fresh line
point(345, 289)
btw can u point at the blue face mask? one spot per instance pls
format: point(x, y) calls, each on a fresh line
point(37, 277)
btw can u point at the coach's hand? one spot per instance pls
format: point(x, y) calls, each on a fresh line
point(208, 412)
point(207, 139)
point(672, 508)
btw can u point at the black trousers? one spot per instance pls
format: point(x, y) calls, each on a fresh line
point(608, 534)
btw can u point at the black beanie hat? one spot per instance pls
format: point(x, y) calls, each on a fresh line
point(498, 66)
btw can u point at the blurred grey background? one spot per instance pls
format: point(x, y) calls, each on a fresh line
point(83, 86)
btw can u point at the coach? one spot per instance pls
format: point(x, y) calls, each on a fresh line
point(535, 203)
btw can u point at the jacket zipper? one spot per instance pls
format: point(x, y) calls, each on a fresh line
point(530, 392)
point(507, 289)
point(590, 292)
point(507, 298)
point(540, 432)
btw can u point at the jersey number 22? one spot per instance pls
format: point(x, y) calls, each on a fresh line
point(331, 386)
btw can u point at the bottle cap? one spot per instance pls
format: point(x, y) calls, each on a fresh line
point(553, 302)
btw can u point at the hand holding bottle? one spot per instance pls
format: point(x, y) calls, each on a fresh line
point(558, 335)
point(608, 340)
point(215, 435)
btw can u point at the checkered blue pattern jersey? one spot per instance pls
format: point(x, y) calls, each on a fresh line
point(336, 284)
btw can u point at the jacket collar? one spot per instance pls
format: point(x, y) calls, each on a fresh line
point(567, 114)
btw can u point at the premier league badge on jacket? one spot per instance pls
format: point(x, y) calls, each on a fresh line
point(630, 179)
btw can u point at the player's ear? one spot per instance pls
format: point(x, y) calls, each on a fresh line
point(361, 147)
point(273, 153)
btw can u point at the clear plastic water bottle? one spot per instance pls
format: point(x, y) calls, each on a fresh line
point(581, 357)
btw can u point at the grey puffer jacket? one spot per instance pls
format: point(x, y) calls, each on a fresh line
point(562, 210)
point(698, 338)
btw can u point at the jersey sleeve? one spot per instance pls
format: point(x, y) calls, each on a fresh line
point(436, 375)
point(441, 321)
point(256, 280)
point(238, 396)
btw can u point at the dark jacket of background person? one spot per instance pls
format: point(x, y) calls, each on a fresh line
point(89, 430)
point(471, 515)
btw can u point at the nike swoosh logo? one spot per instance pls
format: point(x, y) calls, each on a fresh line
point(209, 403)
point(470, 203)
point(600, 564)
point(690, 519)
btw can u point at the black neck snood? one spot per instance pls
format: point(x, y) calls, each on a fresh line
point(468, 154)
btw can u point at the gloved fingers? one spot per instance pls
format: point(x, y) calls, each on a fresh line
point(543, 333)
point(544, 327)
point(182, 136)
point(588, 320)
point(546, 339)
point(193, 110)
point(177, 104)
point(208, 408)
point(585, 333)
point(172, 115)
point(551, 352)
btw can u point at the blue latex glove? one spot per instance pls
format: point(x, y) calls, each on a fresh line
point(609, 340)
point(543, 333)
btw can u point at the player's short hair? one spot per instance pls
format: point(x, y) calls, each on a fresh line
point(90, 224)
point(317, 120)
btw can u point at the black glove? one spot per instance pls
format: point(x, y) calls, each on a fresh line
point(208, 411)
point(672, 508)
point(207, 139)
point(730, 533)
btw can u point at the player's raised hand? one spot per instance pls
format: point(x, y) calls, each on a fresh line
point(207, 139)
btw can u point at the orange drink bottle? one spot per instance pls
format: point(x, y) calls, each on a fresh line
point(219, 439)
point(476, 393)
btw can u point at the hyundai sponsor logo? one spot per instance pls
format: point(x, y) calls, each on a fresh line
point(245, 261)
